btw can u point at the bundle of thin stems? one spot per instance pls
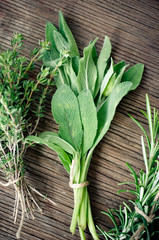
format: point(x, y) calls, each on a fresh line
point(17, 97)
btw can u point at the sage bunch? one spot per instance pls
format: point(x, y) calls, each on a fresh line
point(20, 111)
point(137, 222)
point(89, 88)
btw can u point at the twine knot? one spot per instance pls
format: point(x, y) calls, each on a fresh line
point(75, 185)
point(149, 218)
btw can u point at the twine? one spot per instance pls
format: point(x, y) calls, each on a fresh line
point(149, 219)
point(75, 185)
point(10, 182)
point(155, 200)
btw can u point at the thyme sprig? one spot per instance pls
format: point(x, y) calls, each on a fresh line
point(20, 111)
point(136, 222)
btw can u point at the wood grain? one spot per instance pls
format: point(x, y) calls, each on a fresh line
point(133, 27)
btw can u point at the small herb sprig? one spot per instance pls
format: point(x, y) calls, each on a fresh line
point(20, 112)
point(89, 90)
point(136, 222)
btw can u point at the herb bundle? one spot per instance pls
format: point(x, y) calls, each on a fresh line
point(138, 223)
point(88, 91)
point(17, 120)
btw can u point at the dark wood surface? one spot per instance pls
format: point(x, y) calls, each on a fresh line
point(133, 27)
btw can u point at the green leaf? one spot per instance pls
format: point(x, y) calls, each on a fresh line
point(94, 54)
point(102, 62)
point(118, 67)
point(106, 79)
point(134, 75)
point(72, 75)
point(75, 64)
point(60, 42)
point(144, 154)
point(65, 110)
point(110, 85)
point(112, 218)
point(135, 177)
point(51, 58)
point(66, 68)
point(65, 164)
point(87, 74)
point(107, 110)
point(61, 78)
point(147, 138)
point(49, 33)
point(148, 107)
point(130, 191)
point(54, 138)
point(115, 79)
point(67, 34)
point(60, 152)
point(89, 119)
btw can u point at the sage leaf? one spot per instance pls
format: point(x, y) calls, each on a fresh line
point(60, 152)
point(49, 33)
point(65, 163)
point(75, 64)
point(66, 71)
point(110, 85)
point(107, 110)
point(61, 78)
point(54, 138)
point(134, 75)
point(72, 76)
point(89, 119)
point(94, 54)
point(67, 34)
point(120, 75)
point(119, 66)
point(115, 79)
point(87, 74)
point(103, 61)
point(106, 78)
point(60, 42)
point(65, 110)
point(51, 57)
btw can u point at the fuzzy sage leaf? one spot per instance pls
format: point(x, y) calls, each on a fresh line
point(66, 32)
point(89, 119)
point(65, 110)
point(87, 74)
point(107, 110)
point(134, 75)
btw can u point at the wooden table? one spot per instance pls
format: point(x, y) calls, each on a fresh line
point(133, 27)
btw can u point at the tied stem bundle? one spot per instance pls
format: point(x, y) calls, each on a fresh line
point(89, 88)
point(75, 185)
point(20, 112)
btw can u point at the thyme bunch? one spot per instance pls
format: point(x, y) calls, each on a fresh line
point(20, 111)
point(137, 223)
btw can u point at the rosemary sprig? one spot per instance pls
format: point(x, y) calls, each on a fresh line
point(17, 98)
point(137, 223)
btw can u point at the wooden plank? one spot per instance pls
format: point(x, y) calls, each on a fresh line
point(133, 27)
